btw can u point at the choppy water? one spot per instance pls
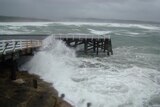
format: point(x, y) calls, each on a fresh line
point(129, 78)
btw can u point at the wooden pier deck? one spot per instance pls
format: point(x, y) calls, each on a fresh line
point(92, 43)
point(16, 47)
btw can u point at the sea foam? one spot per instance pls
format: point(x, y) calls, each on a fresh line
point(123, 25)
point(104, 82)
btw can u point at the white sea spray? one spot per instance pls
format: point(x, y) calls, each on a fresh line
point(105, 82)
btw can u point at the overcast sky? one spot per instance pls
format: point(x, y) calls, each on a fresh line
point(105, 9)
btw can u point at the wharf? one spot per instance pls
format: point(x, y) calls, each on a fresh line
point(14, 46)
point(94, 43)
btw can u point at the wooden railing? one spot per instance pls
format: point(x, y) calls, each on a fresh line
point(7, 46)
point(80, 36)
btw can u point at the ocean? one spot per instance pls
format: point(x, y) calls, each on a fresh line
point(129, 78)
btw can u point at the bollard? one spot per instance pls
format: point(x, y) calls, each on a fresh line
point(35, 85)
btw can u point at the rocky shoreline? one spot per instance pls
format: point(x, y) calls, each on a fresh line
point(23, 93)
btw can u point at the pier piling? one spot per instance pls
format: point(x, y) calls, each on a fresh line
point(14, 69)
point(35, 85)
point(96, 43)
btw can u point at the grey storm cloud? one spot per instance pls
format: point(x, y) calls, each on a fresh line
point(109, 9)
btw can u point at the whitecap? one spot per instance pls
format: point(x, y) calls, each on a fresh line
point(123, 25)
point(97, 32)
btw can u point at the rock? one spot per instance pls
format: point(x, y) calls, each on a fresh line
point(88, 104)
point(62, 96)
point(19, 81)
point(63, 103)
point(20, 92)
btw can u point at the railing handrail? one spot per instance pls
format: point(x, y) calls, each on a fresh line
point(18, 44)
point(84, 36)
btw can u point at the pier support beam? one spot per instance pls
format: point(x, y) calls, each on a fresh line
point(68, 42)
point(35, 85)
point(75, 44)
point(94, 45)
point(85, 46)
point(14, 69)
point(97, 47)
point(104, 45)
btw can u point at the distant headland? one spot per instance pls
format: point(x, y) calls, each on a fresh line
point(20, 19)
point(70, 19)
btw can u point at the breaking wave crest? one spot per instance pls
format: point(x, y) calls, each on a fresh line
point(72, 27)
point(96, 32)
point(123, 25)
